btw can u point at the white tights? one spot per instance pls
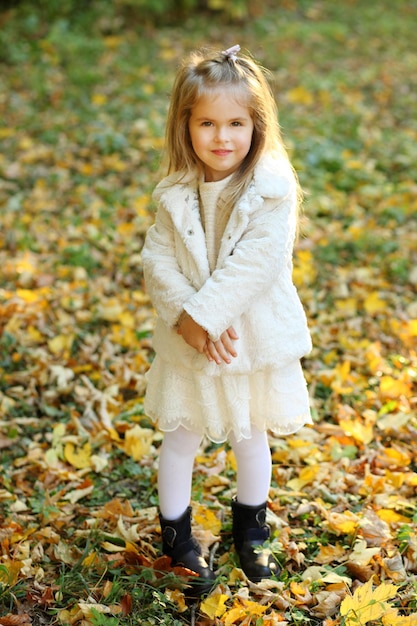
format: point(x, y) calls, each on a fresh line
point(176, 462)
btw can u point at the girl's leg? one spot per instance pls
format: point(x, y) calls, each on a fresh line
point(254, 466)
point(250, 530)
point(176, 461)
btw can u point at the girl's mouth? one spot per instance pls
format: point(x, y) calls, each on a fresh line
point(222, 152)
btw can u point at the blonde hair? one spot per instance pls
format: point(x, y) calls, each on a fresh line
point(205, 72)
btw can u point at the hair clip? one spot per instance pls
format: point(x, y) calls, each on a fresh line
point(231, 53)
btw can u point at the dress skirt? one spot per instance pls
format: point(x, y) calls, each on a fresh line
point(214, 406)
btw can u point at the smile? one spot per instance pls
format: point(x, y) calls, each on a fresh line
point(222, 152)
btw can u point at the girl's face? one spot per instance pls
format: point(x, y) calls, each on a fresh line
point(221, 133)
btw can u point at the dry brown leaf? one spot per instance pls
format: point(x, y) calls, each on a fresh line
point(15, 620)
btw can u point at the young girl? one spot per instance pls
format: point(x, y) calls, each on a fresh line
point(230, 330)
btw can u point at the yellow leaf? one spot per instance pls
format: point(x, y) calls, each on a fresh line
point(112, 547)
point(126, 229)
point(354, 164)
point(89, 560)
point(393, 388)
point(367, 604)
point(298, 588)
point(232, 616)
point(78, 457)
point(177, 597)
point(231, 460)
point(374, 304)
point(343, 370)
point(346, 523)
point(207, 519)
point(7, 132)
point(138, 441)
point(113, 41)
point(304, 272)
point(34, 336)
point(363, 433)
point(254, 609)
point(298, 443)
point(391, 618)
point(71, 617)
point(28, 295)
point(86, 168)
point(411, 479)
point(99, 99)
point(300, 95)
point(110, 310)
point(235, 576)
point(214, 605)
point(167, 54)
point(141, 204)
point(397, 457)
point(114, 162)
point(123, 335)
point(307, 475)
point(329, 553)
point(9, 573)
point(391, 517)
point(341, 378)
point(127, 319)
point(347, 306)
point(60, 343)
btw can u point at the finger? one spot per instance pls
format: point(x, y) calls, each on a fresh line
point(207, 353)
point(228, 345)
point(214, 353)
point(223, 353)
point(232, 333)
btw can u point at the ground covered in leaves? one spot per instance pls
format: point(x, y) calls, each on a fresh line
point(82, 106)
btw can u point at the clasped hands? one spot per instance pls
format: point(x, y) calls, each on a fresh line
point(218, 351)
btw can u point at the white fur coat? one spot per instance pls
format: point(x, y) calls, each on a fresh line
point(251, 287)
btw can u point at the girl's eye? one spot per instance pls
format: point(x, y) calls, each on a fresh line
point(206, 124)
point(236, 124)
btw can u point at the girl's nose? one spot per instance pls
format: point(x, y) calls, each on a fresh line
point(221, 134)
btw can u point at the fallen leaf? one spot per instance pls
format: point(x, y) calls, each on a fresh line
point(138, 442)
point(214, 605)
point(367, 604)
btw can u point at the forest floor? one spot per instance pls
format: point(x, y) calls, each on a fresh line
point(83, 100)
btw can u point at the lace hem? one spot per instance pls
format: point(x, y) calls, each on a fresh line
point(214, 406)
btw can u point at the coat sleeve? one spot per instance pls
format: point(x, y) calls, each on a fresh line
point(167, 287)
point(259, 257)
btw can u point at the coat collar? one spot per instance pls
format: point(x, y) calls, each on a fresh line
point(273, 178)
point(178, 192)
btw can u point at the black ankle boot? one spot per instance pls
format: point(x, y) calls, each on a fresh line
point(179, 544)
point(249, 534)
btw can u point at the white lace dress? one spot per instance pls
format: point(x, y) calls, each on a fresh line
point(214, 406)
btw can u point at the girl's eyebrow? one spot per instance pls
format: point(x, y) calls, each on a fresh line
point(232, 119)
